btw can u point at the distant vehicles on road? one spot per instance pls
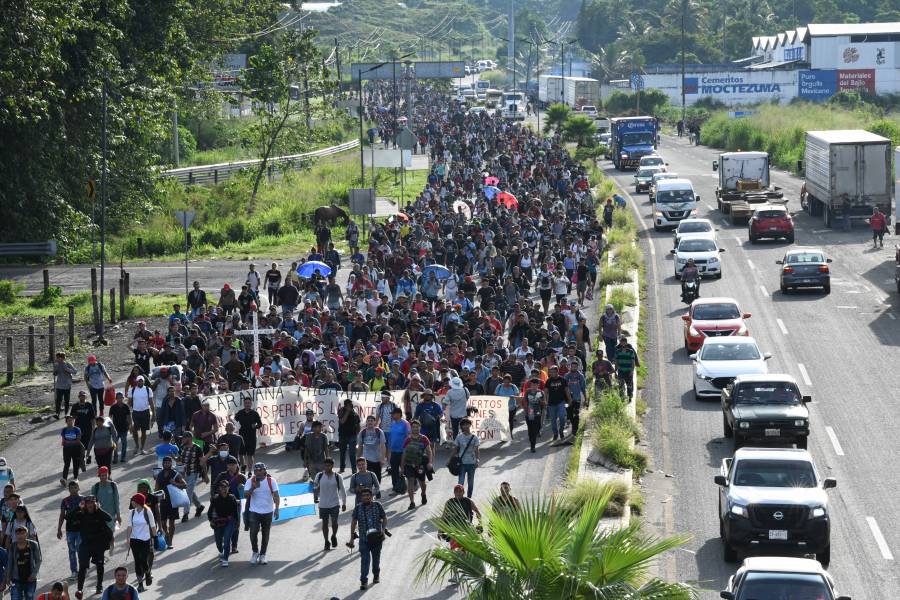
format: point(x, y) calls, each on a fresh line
point(705, 252)
point(694, 225)
point(713, 318)
point(643, 177)
point(803, 268)
point(765, 409)
point(774, 576)
point(675, 200)
point(513, 107)
point(744, 181)
point(771, 221)
point(657, 177)
point(721, 359)
point(632, 138)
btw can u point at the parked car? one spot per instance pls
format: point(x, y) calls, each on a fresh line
point(773, 498)
point(721, 359)
point(781, 577)
point(771, 221)
point(767, 409)
point(805, 267)
point(703, 249)
point(712, 318)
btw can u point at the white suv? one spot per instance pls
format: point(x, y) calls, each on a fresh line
point(704, 249)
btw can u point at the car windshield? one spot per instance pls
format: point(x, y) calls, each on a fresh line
point(805, 257)
point(780, 392)
point(694, 227)
point(716, 312)
point(697, 245)
point(774, 473)
point(784, 586)
point(674, 196)
point(647, 173)
point(652, 161)
point(770, 214)
point(639, 139)
point(739, 351)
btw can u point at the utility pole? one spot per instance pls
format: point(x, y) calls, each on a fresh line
point(394, 87)
point(175, 135)
point(306, 97)
point(683, 105)
point(337, 55)
point(511, 45)
point(104, 197)
point(562, 70)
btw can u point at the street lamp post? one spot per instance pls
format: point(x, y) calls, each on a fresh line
point(359, 89)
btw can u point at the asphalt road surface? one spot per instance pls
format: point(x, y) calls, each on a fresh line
point(843, 349)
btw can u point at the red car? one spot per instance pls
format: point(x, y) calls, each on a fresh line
point(712, 317)
point(771, 221)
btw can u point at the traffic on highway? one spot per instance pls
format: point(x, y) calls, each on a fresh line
point(746, 461)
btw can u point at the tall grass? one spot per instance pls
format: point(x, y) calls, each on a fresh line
point(614, 431)
point(781, 130)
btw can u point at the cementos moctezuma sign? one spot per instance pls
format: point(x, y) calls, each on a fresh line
point(728, 85)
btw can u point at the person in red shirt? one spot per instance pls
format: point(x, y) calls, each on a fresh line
point(878, 223)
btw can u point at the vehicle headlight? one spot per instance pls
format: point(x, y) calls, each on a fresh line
point(623, 155)
point(817, 512)
point(742, 330)
point(713, 260)
point(681, 261)
point(693, 332)
point(657, 213)
point(800, 423)
point(703, 377)
point(744, 424)
point(739, 510)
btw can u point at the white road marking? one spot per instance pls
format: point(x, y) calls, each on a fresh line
point(879, 539)
point(834, 441)
point(891, 316)
point(846, 306)
point(852, 292)
point(736, 239)
point(652, 248)
point(818, 231)
point(804, 374)
point(750, 264)
point(764, 291)
point(781, 326)
point(709, 206)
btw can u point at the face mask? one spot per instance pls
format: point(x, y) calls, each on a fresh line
point(223, 454)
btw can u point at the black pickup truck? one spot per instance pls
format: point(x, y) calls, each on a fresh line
point(767, 409)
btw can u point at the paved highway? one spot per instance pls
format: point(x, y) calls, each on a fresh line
point(843, 348)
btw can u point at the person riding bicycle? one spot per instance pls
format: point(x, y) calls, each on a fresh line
point(690, 273)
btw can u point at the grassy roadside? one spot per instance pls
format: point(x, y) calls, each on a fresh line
point(55, 303)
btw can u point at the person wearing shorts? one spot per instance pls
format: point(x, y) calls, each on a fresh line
point(168, 514)
point(416, 461)
point(140, 400)
point(332, 500)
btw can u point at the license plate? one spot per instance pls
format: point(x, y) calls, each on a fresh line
point(773, 432)
point(773, 229)
point(778, 534)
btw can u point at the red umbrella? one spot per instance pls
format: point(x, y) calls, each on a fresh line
point(508, 200)
point(491, 180)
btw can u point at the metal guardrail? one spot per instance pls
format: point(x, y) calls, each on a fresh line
point(47, 248)
point(215, 174)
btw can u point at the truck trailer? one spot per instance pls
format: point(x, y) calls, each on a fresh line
point(631, 139)
point(848, 173)
point(743, 182)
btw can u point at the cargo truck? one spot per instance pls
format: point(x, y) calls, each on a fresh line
point(743, 182)
point(631, 139)
point(549, 89)
point(581, 91)
point(513, 107)
point(848, 173)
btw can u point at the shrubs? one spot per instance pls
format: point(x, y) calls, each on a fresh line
point(9, 290)
point(46, 298)
point(614, 431)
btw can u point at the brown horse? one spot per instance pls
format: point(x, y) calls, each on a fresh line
point(329, 214)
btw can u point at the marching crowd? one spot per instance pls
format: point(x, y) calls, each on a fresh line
point(478, 288)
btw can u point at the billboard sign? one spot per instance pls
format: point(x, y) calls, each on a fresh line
point(870, 55)
point(817, 85)
point(728, 84)
point(369, 72)
point(862, 80)
point(440, 70)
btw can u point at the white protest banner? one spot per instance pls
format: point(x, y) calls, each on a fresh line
point(283, 409)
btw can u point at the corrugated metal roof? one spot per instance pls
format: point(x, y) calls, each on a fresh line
point(791, 36)
point(847, 136)
point(779, 39)
point(773, 64)
point(801, 34)
point(756, 39)
point(832, 29)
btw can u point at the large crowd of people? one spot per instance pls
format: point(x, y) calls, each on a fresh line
point(479, 287)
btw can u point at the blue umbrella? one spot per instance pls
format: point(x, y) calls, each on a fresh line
point(440, 271)
point(490, 191)
point(308, 268)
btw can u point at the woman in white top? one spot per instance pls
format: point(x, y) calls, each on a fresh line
point(141, 532)
point(451, 287)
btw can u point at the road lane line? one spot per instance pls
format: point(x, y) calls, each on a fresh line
point(781, 326)
point(846, 306)
point(804, 374)
point(891, 316)
point(834, 441)
point(750, 264)
point(764, 291)
point(709, 206)
point(879, 539)
point(736, 239)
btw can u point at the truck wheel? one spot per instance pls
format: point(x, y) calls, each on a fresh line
point(725, 208)
point(753, 238)
point(824, 556)
point(827, 288)
point(790, 239)
point(729, 554)
point(727, 429)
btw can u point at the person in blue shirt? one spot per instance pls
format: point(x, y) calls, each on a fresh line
point(166, 448)
point(429, 413)
point(396, 434)
point(510, 391)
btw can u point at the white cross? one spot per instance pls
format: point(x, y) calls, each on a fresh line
point(256, 331)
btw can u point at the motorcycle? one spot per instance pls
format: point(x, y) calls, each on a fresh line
point(690, 291)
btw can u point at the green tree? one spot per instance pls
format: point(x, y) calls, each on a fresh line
point(556, 115)
point(547, 551)
point(273, 71)
point(579, 129)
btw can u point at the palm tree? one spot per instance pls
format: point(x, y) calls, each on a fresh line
point(556, 115)
point(544, 551)
point(580, 129)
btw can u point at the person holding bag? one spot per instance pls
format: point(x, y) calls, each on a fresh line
point(223, 517)
point(370, 518)
point(465, 457)
point(141, 534)
point(168, 481)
